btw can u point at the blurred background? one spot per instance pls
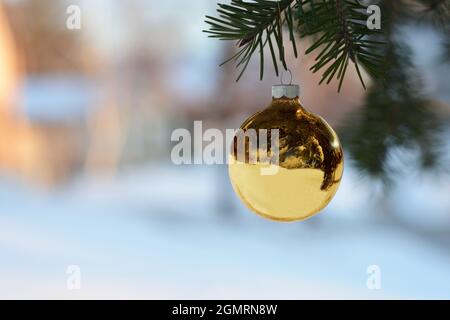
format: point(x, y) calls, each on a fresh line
point(86, 178)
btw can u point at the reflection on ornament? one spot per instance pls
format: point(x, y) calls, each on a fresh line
point(310, 161)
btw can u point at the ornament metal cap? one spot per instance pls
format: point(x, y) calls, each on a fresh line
point(290, 91)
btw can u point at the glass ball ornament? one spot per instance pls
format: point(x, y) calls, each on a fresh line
point(309, 164)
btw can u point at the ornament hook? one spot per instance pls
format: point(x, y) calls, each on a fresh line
point(282, 76)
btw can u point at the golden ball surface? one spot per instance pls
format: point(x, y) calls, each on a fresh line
point(309, 170)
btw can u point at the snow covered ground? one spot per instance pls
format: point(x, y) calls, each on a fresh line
point(159, 233)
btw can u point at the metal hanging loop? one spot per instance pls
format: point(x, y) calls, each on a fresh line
point(282, 76)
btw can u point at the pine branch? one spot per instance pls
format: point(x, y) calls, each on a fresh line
point(254, 25)
point(436, 11)
point(343, 36)
point(393, 117)
point(340, 26)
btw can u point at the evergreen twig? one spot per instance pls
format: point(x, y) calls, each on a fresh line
point(339, 25)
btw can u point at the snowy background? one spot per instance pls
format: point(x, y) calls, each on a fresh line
point(156, 233)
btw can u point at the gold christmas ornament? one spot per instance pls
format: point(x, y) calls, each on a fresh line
point(294, 176)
